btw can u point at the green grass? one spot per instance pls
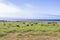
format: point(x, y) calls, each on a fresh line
point(41, 27)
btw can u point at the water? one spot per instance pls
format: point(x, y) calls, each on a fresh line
point(33, 20)
point(41, 20)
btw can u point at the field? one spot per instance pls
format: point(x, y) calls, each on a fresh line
point(29, 31)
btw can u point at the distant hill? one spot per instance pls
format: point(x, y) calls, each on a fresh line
point(21, 19)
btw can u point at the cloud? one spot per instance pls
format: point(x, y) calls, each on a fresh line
point(12, 10)
point(9, 10)
point(28, 5)
point(2, 0)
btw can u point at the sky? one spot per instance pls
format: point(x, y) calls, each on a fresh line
point(30, 9)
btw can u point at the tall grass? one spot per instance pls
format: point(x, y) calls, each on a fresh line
point(23, 27)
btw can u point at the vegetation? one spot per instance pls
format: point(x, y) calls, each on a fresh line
point(42, 28)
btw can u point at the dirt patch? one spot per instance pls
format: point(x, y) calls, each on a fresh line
point(17, 36)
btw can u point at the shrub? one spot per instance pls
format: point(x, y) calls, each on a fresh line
point(23, 22)
point(2, 35)
point(31, 24)
point(54, 24)
point(27, 30)
point(17, 25)
point(49, 22)
point(9, 24)
point(4, 24)
point(27, 25)
point(36, 23)
point(42, 25)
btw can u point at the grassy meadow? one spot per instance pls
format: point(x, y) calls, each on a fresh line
point(42, 28)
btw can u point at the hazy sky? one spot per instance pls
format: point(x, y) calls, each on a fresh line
point(30, 8)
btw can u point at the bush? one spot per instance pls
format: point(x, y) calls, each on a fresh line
point(17, 25)
point(27, 25)
point(23, 22)
point(31, 24)
point(28, 30)
point(4, 24)
point(36, 23)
